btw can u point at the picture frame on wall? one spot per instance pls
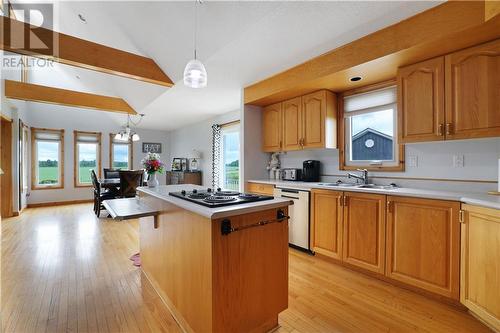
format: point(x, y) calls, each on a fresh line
point(151, 147)
point(184, 164)
point(177, 164)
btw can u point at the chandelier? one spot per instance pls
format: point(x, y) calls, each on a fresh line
point(126, 133)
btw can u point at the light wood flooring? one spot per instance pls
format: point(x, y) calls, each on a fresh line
point(63, 270)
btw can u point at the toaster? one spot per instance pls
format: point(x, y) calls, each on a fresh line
point(291, 174)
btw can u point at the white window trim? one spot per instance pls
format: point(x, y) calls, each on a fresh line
point(347, 139)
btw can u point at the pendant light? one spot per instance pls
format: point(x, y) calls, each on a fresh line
point(127, 134)
point(195, 74)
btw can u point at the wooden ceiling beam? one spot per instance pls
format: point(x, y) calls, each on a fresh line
point(81, 53)
point(43, 94)
point(439, 30)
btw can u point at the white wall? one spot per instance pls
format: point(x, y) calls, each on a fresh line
point(254, 160)
point(70, 119)
point(435, 160)
point(199, 136)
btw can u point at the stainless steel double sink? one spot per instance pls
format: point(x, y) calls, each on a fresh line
point(353, 185)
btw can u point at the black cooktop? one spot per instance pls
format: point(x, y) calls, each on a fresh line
point(219, 198)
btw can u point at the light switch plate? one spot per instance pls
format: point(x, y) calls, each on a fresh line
point(458, 161)
point(413, 161)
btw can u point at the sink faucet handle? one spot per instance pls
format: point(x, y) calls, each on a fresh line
point(362, 170)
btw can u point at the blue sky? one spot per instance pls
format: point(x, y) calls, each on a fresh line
point(48, 151)
point(381, 121)
point(120, 153)
point(87, 151)
point(231, 146)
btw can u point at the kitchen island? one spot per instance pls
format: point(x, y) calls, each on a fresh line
point(221, 269)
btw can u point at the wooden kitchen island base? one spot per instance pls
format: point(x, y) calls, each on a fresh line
point(213, 282)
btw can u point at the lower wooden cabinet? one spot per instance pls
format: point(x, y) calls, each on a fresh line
point(183, 177)
point(423, 244)
point(480, 263)
point(265, 189)
point(326, 223)
point(364, 231)
point(410, 240)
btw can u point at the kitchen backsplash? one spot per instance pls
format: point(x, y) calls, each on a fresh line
point(437, 160)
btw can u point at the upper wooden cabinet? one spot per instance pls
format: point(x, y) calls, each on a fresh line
point(364, 231)
point(423, 244)
point(319, 120)
point(326, 223)
point(308, 121)
point(292, 124)
point(480, 264)
point(473, 92)
point(451, 97)
point(272, 128)
point(421, 101)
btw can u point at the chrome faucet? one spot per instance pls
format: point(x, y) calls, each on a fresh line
point(363, 177)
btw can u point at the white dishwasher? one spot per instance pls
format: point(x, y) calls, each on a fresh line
point(298, 225)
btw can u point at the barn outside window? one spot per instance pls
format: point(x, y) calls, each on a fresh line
point(370, 129)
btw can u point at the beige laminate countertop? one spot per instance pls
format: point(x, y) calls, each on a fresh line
point(485, 200)
point(162, 192)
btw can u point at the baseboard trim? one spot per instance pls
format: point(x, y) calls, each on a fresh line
point(58, 203)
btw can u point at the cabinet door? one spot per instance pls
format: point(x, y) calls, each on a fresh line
point(364, 231)
point(473, 92)
point(272, 128)
point(480, 264)
point(292, 124)
point(313, 119)
point(421, 101)
point(326, 226)
point(423, 244)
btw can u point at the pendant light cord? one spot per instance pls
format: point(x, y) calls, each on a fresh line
point(195, 24)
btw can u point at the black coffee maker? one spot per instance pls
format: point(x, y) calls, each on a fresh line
point(310, 171)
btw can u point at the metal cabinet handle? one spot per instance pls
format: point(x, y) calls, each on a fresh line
point(389, 206)
point(448, 128)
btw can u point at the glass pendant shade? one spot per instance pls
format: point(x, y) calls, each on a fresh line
point(135, 137)
point(195, 74)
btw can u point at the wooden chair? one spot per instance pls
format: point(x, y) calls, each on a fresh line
point(129, 181)
point(99, 196)
point(111, 173)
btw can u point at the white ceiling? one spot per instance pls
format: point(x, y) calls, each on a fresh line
point(240, 42)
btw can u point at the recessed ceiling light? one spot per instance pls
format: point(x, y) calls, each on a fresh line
point(80, 16)
point(355, 78)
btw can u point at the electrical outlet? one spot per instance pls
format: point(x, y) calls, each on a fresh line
point(413, 161)
point(458, 161)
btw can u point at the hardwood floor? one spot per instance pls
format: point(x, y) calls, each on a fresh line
point(63, 270)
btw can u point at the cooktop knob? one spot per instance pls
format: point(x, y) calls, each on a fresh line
point(209, 190)
point(219, 189)
point(183, 192)
point(195, 191)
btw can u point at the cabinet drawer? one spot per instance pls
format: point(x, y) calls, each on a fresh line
point(267, 189)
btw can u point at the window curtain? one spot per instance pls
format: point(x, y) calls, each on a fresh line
point(216, 144)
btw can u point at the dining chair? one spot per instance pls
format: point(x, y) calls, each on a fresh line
point(129, 181)
point(99, 196)
point(111, 173)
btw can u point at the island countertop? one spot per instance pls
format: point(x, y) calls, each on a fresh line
point(162, 192)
